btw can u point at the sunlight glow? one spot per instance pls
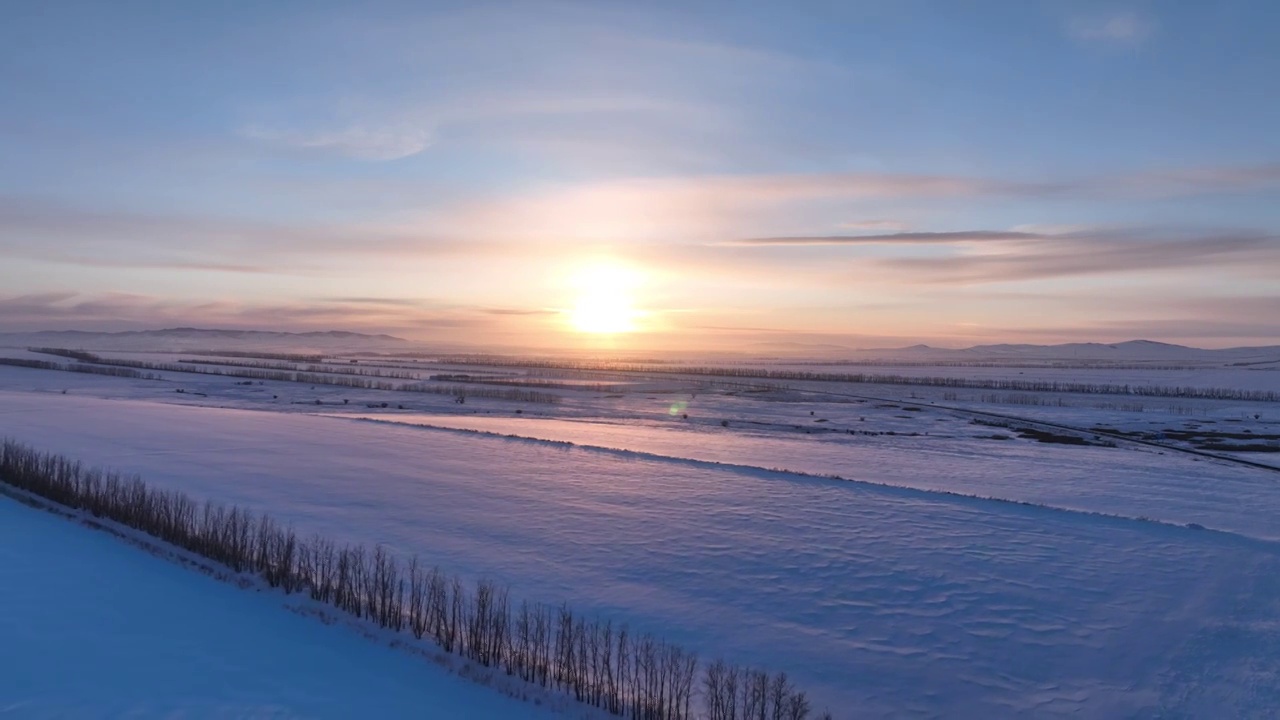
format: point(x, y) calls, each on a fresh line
point(605, 299)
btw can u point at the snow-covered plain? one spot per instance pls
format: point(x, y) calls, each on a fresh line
point(882, 600)
point(1260, 377)
point(1138, 482)
point(93, 627)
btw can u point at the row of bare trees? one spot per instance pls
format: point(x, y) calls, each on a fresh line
point(308, 378)
point(33, 364)
point(363, 371)
point(1218, 393)
point(732, 693)
point(532, 383)
point(286, 357)
point(592, 660)
point(81, 355)
point(111, 371)
point(78, 368)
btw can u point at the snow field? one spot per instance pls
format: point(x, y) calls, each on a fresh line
point(878, 600)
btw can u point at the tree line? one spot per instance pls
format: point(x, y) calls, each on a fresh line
point(893, 379)
point(79, 368)
point(593, 660)
point(308, 378)
point(287, 357)
point(532, 382)
point(81, 355)
point(1012, 364)
point(335, 369)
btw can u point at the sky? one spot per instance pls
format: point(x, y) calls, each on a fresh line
point(658, 175)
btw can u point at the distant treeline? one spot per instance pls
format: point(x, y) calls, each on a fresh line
point(286, 357)
point(629, 380)
point(33, 364)
point(79, 368)
point(308, 378)
point(112, 371)
point(509, 360)
point(594, 661)
point(80, 355)
point(532, 382)
point(485, 359)
point(1015, 365)
point(335, 369)
point(877, 379)
point(489, 393)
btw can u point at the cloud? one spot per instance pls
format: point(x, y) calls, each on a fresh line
point(55, 232)
point(1120, 28)
point(415, 318)
point(924, 238)
point(519, 312)
point(766, 209)
point(706, 208)
point(360, 141)
point(876, 226)
point(530, 75)
point(700, 208)
point(1173, 182)
point(157, 264)
point(940, 261)
point(395, 302)
point(1082, 254)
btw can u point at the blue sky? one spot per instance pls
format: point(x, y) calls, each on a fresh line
point(853, 172)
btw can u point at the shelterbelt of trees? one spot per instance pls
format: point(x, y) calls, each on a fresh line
point(325, 375)
point(885, 379)
point(590, 659)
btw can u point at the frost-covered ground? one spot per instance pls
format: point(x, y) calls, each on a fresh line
point(1131, 481)
point(92, 627)
point(881, 599)
point(1254, 377)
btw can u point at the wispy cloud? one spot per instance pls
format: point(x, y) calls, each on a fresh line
point(414, 318)
point(358, 141)
point(540, 77)
point(69, 234)
point(519, 312)
point(385, 301)
point(766, 209)
point(702, 207)
point(876, 226)
point(904, 238)
point(1081, 254)
point(924, 261)
point(1118, 28)
point(1173, 182)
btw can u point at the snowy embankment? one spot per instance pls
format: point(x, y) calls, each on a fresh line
point(93, 627)
point(879, 600)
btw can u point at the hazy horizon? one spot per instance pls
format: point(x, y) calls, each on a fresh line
point(653, 177)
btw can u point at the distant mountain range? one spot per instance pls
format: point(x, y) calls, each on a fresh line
point(187, 338)
point(1132, 351)
point(184, 339)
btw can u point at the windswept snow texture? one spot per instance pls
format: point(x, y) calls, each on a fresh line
point(95, 628)
point(1130, 481)
point(883, 601)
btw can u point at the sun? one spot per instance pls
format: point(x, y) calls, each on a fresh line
point(605, 302)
